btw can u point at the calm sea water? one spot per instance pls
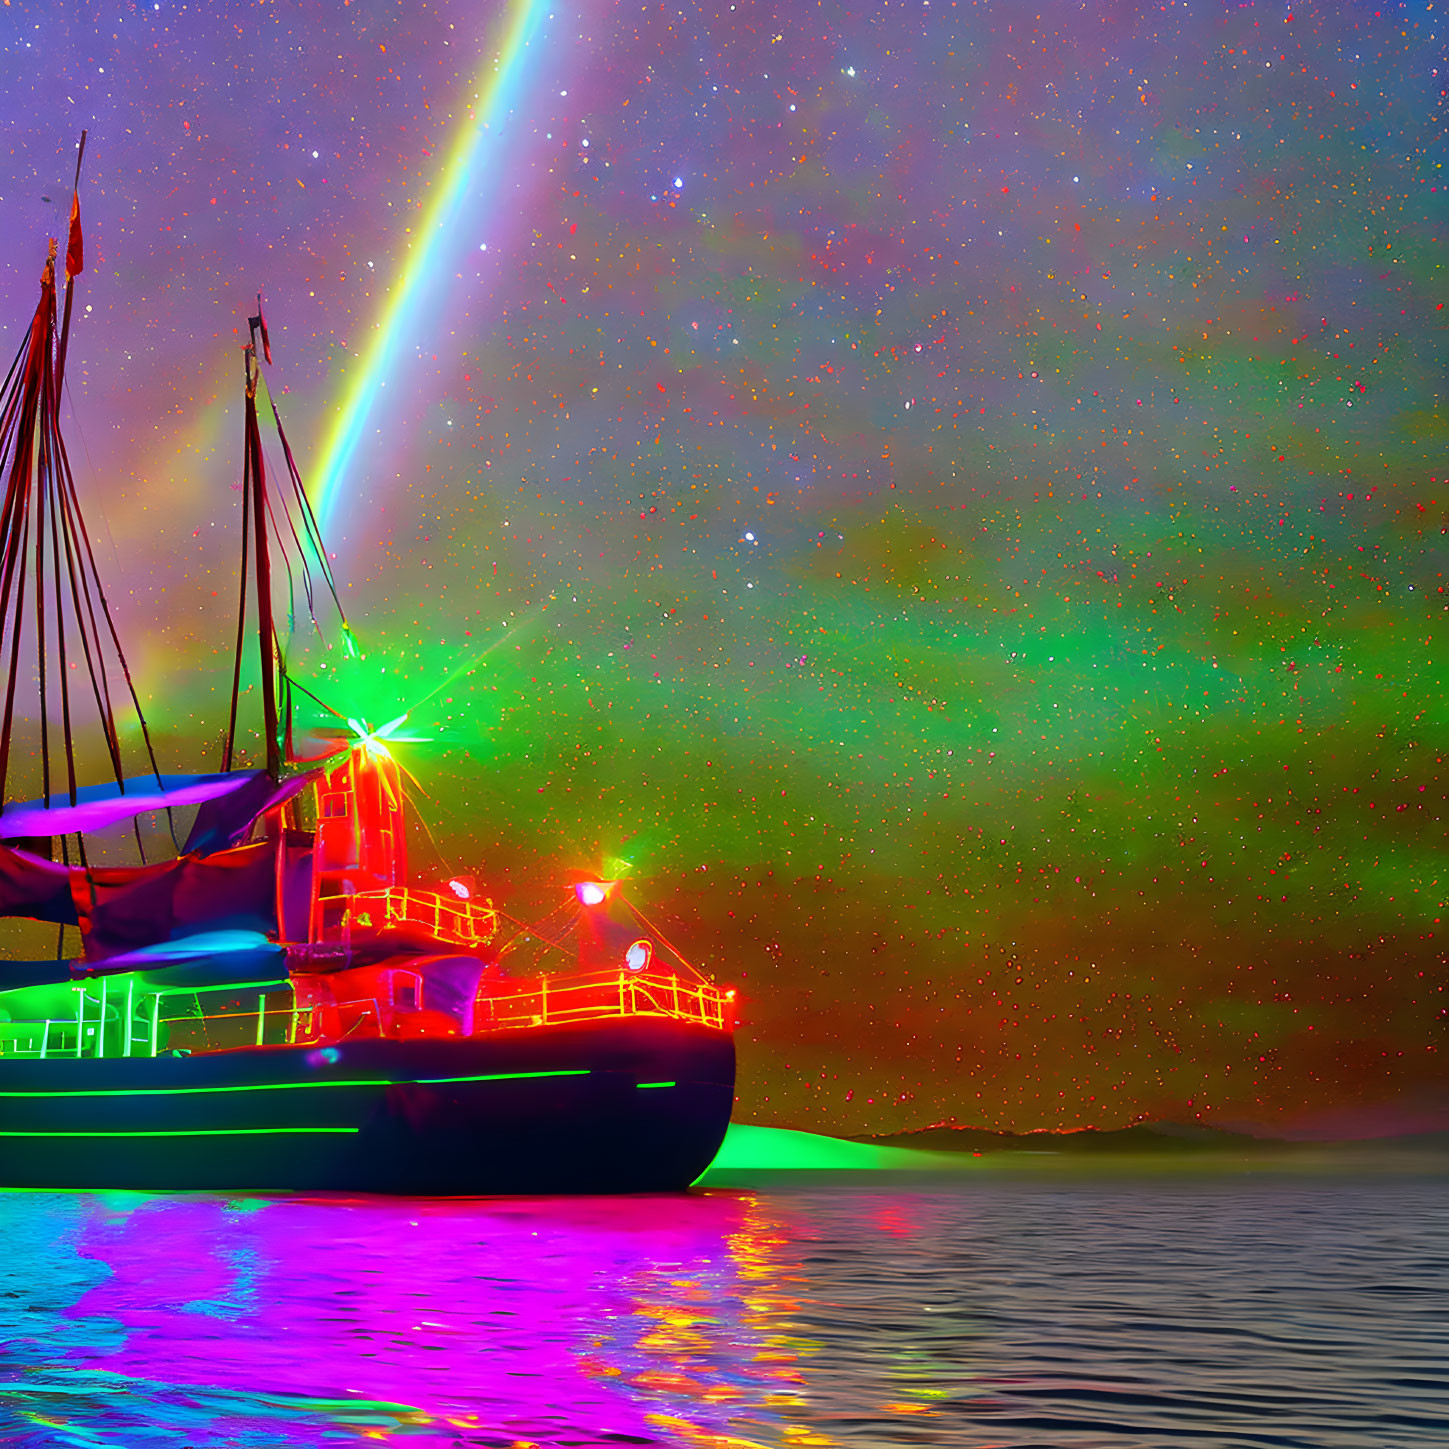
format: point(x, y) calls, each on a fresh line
point(984, 1313)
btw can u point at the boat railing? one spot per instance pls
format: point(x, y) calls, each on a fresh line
point(127, 1022)
point(464, 923)
point(113, 1018)
point(510, 1005)
point(265, 1024)
point(506, 1004)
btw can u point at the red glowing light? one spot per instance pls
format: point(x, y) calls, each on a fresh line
point(359, 880)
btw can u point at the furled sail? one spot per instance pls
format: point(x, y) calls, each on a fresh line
point(100, 805)
point(207, 962)
point(40, 889)
point(227, 820)
point(123, 910)
point(210, 961)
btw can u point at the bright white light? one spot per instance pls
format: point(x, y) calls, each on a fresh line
point(679, 181)
point(639, 955)
point(460, 889)
point(590, 892)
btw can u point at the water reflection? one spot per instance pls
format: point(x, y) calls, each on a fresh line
point(166, 1320)
point(1130, 1315)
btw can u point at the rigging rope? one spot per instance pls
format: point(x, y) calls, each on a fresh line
point(67, 585)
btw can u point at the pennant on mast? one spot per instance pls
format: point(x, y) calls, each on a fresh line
point(75, 258)
point(75, 262)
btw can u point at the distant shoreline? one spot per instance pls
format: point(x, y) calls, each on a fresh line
point(1144, 1138)
point(760, 1156)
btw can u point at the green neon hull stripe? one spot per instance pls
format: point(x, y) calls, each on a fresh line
point(642, 1085)
point(292, 1086)
point(191, 1091)
point(500, 1077)
point(198, 1132)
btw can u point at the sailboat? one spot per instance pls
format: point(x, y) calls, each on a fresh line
point(274, 1004)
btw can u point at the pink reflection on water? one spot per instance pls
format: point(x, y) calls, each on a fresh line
point(439, 1322)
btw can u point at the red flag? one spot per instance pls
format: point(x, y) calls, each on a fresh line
point(74, 252)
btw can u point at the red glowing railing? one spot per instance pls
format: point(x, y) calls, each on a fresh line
point(226, 1019)
point(518, 1005)
point(505, 1005)
point(401, 910)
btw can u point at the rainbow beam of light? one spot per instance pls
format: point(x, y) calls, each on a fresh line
point(474, 153)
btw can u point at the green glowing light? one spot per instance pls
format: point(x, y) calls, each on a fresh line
point(642, 1085)
point(500, 1077)
point(197, 1132)
point(199, 1091)
point(747, 1148)
point(290, 1086)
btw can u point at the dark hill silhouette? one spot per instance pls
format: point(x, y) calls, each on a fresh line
point(1143, 1138)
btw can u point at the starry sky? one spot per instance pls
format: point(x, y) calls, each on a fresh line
point(946, 500)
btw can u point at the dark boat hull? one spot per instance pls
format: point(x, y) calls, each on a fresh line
point(632, 1105)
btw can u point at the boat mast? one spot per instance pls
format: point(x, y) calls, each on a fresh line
point(268, 514)
point(255, 482)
